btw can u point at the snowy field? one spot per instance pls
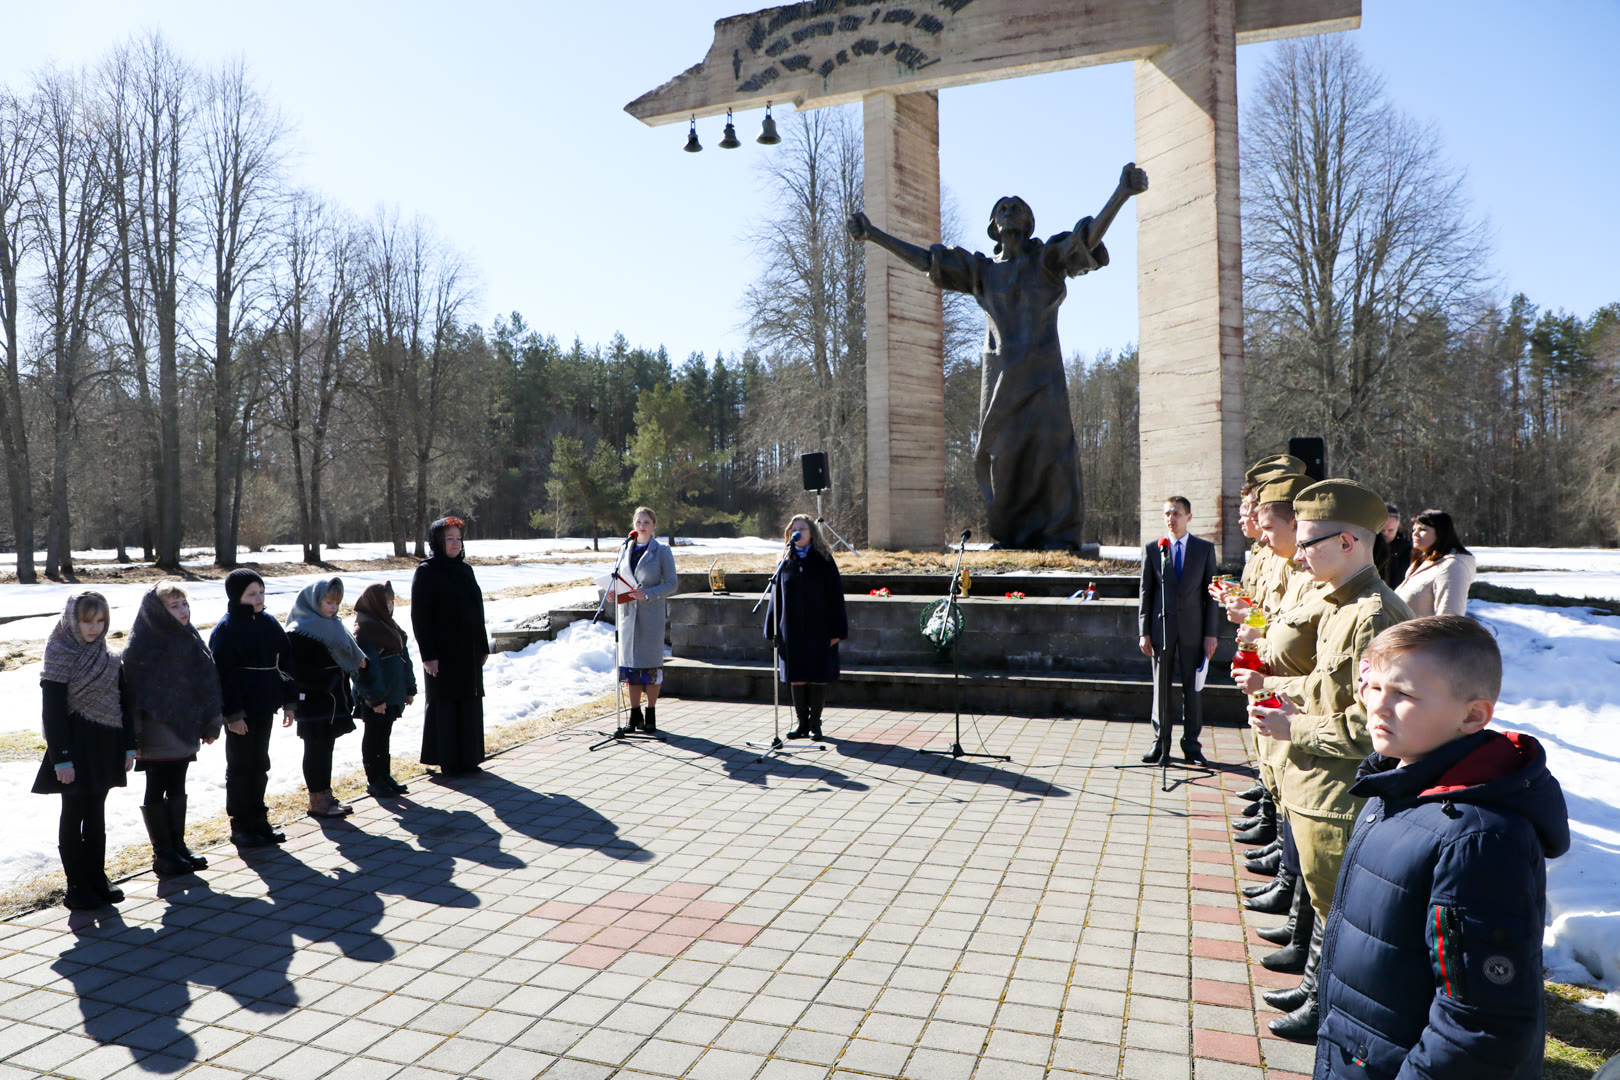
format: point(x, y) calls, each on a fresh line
point(1562, 686)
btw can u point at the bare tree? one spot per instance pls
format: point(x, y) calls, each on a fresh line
point(68, 209)
point(315, 297)
point(1355, 232)
point(806, 313)
point(19, 131)
point(241, 149)
point(147, 116)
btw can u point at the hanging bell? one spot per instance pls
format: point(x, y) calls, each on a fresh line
point(728, 141)
point(692, 144)
point(767, 130)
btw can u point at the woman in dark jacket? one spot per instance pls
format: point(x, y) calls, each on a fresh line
point(325, 656)
point(447, 617)
point(255, 666)
point(89, 744)
point(806, 619)
point(383, 687)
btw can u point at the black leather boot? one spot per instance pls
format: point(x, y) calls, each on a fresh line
point(80, 896)
point(388, 775)
point(1290, 959)
point(649, 721)
point(176, 809)
point(801, 711)
point(1262, 852)
point(95, 871)
point(1300, 1022)
point(1254, 815)
point(633, 723)
point(165, 863)
point(1266, 864)
point(1275, 900)
point(818, 700)
point(1254, 794)
point(379, 785)
point(1264, 831)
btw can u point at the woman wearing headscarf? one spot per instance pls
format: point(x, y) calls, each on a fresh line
point(325, 657)
point(383, 687)
point(1442, 569)
point(807, 619)
point(255, 665)
point(178, 708)
point(649, 565)
point(89, 744)
point(447, 617)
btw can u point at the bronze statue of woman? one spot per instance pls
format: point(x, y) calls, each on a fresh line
point(1026, 461)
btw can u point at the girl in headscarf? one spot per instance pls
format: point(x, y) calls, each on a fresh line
point(175, 687)
point(255, 666)
point(383, 687)
point(89, 744)
point(325, 657)
point(806, 618)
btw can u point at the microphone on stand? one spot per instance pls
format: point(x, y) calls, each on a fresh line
point(967, 534)
point(795, 537)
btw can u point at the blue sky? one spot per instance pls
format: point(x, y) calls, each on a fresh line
point(503, 123)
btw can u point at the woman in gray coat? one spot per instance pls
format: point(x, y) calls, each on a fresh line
point(648, 565)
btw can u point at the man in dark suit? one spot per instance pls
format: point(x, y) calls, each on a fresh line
point(1400, 548)
point(1177, 570)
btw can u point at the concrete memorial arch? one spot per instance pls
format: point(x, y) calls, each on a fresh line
point(894, 57)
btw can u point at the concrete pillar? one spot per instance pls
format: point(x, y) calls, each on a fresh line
point(905, 378)
point(1190, 275)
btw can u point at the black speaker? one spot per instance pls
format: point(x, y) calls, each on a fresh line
point(1313, 452)
point(815, 470)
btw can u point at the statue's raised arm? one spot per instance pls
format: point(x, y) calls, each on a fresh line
point(861, 228)
point(1132, 181)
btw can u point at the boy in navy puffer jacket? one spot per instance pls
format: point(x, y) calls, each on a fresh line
point(1431, 961)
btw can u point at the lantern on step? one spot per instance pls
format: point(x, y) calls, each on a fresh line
point(717, 578)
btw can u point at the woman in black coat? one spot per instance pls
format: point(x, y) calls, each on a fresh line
point(807, 620)
point(447, 618)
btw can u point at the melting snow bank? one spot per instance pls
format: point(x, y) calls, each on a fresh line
point(1560, 685)
point(545, 676)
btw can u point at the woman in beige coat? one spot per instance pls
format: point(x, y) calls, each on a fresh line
point(1442, 569)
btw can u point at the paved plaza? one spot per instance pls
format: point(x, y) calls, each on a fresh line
point(680, 909)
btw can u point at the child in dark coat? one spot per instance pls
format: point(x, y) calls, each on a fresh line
point(383, 687)
point(1431, 961)
point(254, 660)
point(89, 744)
point(325, 657)
point(175, 688)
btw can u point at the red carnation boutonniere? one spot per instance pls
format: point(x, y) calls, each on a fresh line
point(880, 592)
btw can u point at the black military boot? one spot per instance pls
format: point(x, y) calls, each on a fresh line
point(1290, 959)
point(1300, 1022)
point(1254, 794)
point(818, 700)
point(634, 721)
point(1266, 864)
point(1264, 830)
point(1262, 852)
point(1254, 815)
point(1275, 900)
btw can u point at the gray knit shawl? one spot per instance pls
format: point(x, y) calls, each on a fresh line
point(306, 619)
point(88, 669)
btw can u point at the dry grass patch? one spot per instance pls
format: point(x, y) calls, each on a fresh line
point(1579, 1038)
point(47, 890)
point(21, 746)
point(923, 562)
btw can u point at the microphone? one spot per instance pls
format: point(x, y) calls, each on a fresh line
point(967, 534)
point(795, 537)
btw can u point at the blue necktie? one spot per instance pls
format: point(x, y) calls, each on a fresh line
point(1178, 560)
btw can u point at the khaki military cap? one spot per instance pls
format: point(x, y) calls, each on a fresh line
point(1285, 488)
point(1275, 465)
point(1342, 500)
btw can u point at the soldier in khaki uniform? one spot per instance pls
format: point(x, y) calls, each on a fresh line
point(1326, 731)
point(1287, 646)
